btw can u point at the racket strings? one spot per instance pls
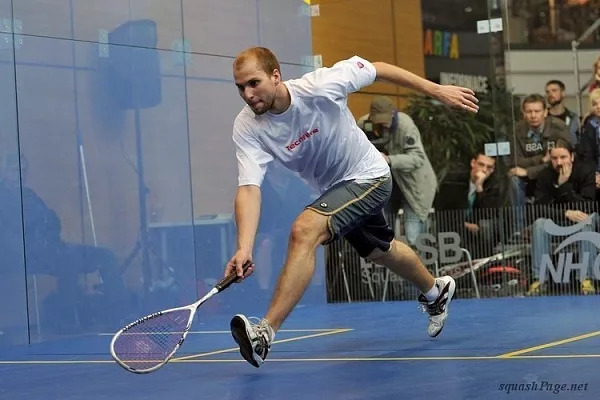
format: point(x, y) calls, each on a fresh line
point(151, 342)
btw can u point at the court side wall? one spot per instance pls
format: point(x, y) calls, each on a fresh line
point(119, 117)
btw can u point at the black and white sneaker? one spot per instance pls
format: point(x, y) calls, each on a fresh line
point(438, 310)
point(254, 339)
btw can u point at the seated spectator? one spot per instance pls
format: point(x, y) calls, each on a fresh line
point(589, 151)
point(565, 185)
point(415, 182)
point(555, 94)
point(474, 193)
point(533, 137)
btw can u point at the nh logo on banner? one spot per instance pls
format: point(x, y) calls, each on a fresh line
point(561, 273)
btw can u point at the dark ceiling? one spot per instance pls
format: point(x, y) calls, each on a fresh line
point(456, 15)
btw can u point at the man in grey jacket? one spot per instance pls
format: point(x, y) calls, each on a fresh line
point(415, 182)
point(533, 138)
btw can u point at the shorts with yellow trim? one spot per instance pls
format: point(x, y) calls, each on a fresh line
point(355, 211)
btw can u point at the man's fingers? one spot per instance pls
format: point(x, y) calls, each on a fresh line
point(239, 268)
point(467, 91)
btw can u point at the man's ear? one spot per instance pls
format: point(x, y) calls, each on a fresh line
point(277, 76)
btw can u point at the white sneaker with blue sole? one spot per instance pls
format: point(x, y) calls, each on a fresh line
point(254, 339)
point(438, 310)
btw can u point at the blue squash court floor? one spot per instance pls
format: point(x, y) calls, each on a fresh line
point(489, 349)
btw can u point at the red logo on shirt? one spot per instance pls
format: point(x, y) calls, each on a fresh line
point(360, 65)
point(307, 135)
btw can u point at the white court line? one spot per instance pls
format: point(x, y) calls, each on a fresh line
point(317, 360)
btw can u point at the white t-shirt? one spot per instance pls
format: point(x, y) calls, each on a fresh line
point(317, 136)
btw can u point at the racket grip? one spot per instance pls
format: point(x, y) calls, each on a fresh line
point(228, 280)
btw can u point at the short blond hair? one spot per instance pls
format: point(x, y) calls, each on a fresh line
point(264, 57)
point(594, 96)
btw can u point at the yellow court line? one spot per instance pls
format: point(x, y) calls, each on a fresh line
point(212, 353)
point(339, 359)
point(223, 332)
point(397, 359)
point(547, 345)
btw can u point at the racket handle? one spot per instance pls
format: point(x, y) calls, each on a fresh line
point(228, 280)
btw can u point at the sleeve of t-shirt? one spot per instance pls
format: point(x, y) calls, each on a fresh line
point(341, 79)
point(252, 159)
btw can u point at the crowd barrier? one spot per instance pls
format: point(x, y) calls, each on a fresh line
point(554, 253)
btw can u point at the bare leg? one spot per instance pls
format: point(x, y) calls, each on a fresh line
point(308, 232)
point(436, 298)
point(404, 262)
point(263, 258)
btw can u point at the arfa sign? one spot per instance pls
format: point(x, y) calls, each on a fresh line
point(561, 273)
point(440, 43)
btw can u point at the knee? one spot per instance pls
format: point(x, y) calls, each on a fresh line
point(378, 256)
point(309, 230)
point(386, 256)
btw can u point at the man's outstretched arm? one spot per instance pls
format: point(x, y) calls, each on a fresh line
point(247, 216)
point(453, 96)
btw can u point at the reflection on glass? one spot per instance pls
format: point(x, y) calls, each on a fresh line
point(552, 21)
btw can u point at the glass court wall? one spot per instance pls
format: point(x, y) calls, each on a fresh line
point(118, 172)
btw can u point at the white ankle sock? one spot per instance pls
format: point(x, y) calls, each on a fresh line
point(271, 330)
point(433, 294)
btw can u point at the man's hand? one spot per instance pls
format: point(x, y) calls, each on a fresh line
point(473, 228)
point(458, 97)
point(546, 158)
point(597, 180)
point(237, 262)
point(518, 171)
point(575, 216)
point(480, 178)
point(564, 173)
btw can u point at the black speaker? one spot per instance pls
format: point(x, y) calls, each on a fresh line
point(134, 65)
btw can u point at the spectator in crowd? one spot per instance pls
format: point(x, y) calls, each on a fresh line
point(555, 94)
point(589, 150)
point(415, 182)
point(474, 194)
point(533, 137)
point(595, 78)
point(565, 188)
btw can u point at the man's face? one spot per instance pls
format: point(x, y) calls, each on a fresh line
point(534, 114)
point(484, 164)
point(560, 157)
point(256, 87)
point(554, 94)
